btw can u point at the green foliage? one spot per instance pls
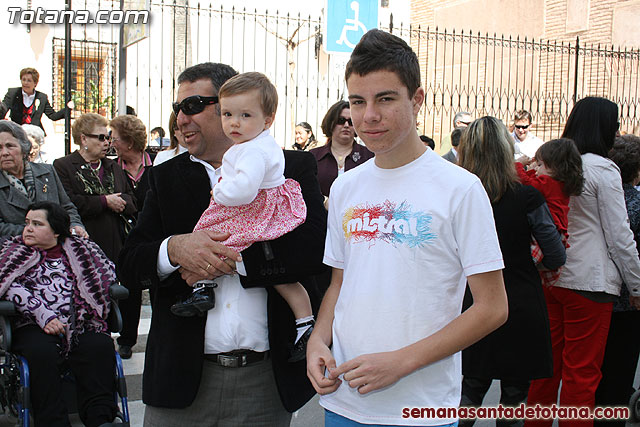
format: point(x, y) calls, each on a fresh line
point(90, 101)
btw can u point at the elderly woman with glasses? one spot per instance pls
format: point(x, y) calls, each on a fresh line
point(129, 139)
point(23, 183)
point(341, 151)
point(36, 136)
point(97, 185)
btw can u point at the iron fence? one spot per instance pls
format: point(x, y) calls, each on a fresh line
point(498, 75)
point(462, 71)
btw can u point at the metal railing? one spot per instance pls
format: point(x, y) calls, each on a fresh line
point(462, 71)
point(498, 75)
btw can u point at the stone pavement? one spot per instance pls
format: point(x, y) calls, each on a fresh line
point(311, 415)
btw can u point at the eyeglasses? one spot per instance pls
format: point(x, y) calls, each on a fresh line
point(342, 120)
point(102, 137)
point(194, 104)
point(465, 123)
point(522, 126)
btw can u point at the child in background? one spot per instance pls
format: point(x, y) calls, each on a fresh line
point(557, 175)
point(253, 201)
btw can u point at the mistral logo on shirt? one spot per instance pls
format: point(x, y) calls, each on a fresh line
point(389, 223)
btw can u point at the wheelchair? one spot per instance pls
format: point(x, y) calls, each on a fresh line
point(14, 370)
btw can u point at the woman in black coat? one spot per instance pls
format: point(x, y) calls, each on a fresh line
point(27, 105)
point(520, 350)
point(129, 139)
point(97, 185)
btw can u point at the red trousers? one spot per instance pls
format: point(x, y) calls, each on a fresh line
point(579, 329)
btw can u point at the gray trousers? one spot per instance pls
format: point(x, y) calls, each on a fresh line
point(228, 397)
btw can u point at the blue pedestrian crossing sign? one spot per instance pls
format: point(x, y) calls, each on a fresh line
point(347, 21)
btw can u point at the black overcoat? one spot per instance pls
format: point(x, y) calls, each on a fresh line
point(179, 192)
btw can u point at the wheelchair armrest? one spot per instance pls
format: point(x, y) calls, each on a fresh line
point(118, 292)
point(7, 308)
point(114, 321)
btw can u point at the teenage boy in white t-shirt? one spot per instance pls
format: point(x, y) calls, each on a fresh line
point(407, 230)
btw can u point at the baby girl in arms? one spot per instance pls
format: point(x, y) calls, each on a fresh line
point(253, 201)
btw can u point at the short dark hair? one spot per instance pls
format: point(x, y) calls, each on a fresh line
point(379, 50)
point(456, 134)
point(331, 118)
point(592, 125)
point(626, 154)
point(58, 218)
point(216, 73)
point(160, 131)
point(428, 141)
point(562, 159)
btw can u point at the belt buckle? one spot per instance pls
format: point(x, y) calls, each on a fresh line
point(232, 361)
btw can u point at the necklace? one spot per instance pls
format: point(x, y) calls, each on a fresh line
point(341, 156)
point(99, 164)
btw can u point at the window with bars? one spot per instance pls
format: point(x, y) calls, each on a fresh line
point(93, 76)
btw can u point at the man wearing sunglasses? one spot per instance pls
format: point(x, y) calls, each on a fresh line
point(229, 364)
point(461, 120)
point(525, 142)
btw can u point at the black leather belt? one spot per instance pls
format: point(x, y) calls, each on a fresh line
point(237, 358)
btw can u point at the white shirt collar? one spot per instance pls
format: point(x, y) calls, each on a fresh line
point(27, 100)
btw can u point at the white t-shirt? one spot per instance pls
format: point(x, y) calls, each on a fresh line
point(165, 155)
point(406, 239)
point(249, 167)
point(528, 147)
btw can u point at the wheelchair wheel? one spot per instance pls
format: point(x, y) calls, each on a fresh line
point(121, 392)
point(14, 388)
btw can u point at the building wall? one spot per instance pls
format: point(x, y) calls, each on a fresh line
point(595, 21)
point(534, 66)
point(185, 35)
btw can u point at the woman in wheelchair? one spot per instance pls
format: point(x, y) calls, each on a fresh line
point(59, 284)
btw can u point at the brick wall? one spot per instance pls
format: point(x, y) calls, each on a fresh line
point(541, 79)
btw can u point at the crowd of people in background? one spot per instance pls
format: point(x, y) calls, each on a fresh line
point(566, 215)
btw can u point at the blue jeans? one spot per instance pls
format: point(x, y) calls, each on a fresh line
point(331, 419)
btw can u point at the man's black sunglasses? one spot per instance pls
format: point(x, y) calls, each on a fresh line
point(522, 126)
point(194, 104)
point(342, 120)
point(102, 137)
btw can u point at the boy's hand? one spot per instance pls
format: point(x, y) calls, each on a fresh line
point(319, 357)
point(374, 371)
